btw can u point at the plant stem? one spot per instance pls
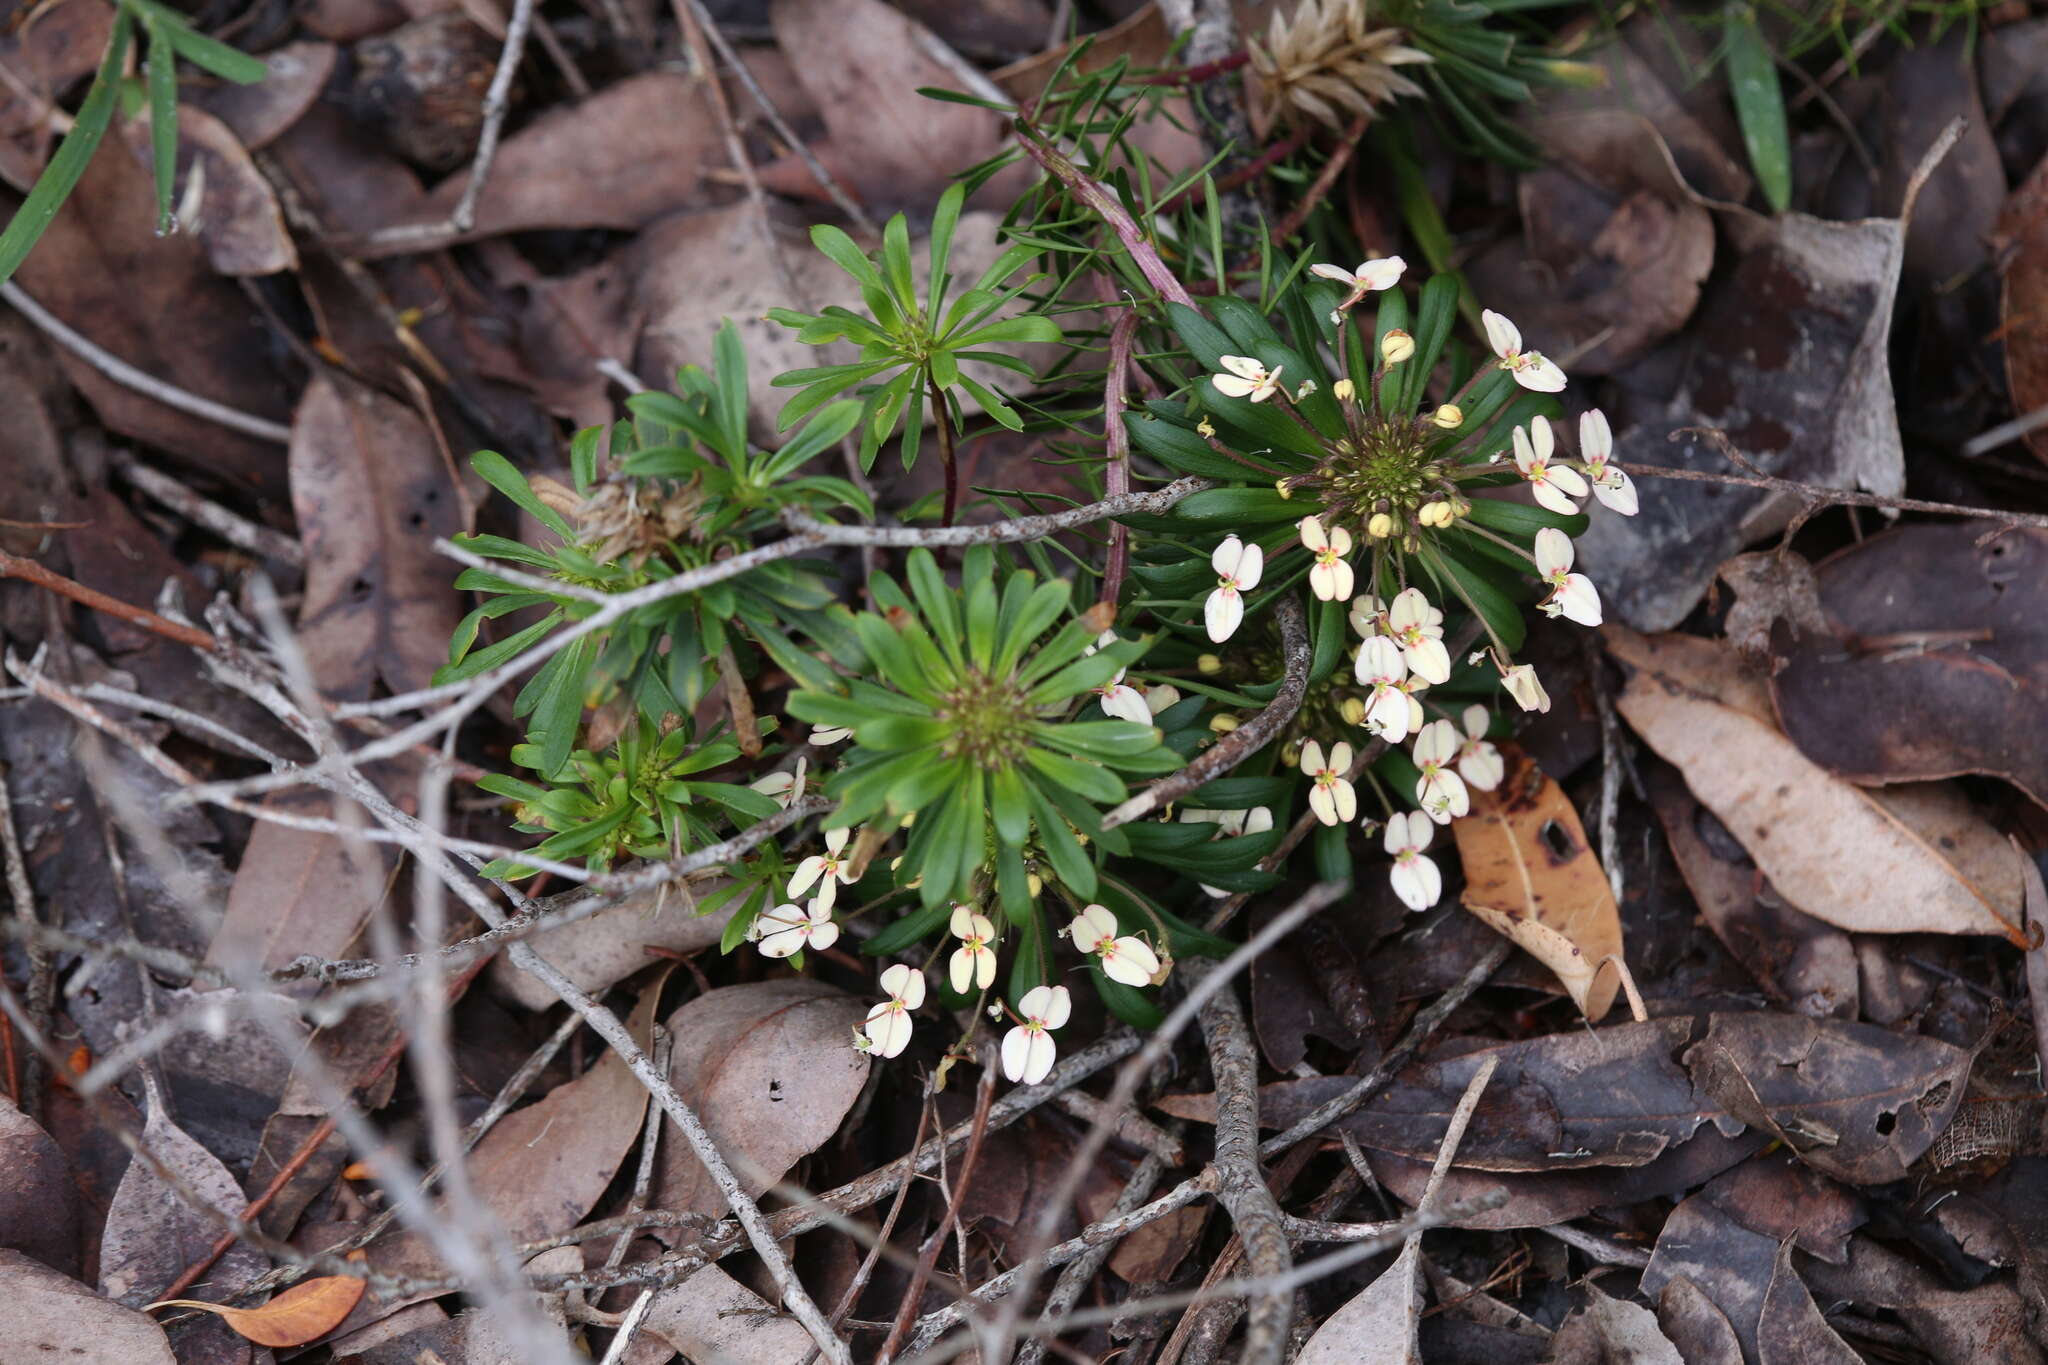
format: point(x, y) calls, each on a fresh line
point(945, 421)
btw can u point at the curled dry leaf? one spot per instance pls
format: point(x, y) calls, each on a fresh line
point(603, 950)
point(1935, 662)
point(1901, 861)
point(300, 1315)
point(1856, 1102)
point(1530, 874)
point(220, 193)
point(771, 1068)
point(1613, 1097)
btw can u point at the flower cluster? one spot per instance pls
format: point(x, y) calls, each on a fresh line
point(1405, 485)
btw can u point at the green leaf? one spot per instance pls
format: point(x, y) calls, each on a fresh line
point(908, 931)
point(1759, 104)
point(729, 362)
point(559, 712)
point(59, 178)
point(945, 218)
point(499, 473)
point(163, 120)
point(1182, 450)
point(1070, 863)
point(1128, 1003)
point(1522, 520)
point(583, 456)
point(1237, 507)
point(846, 255)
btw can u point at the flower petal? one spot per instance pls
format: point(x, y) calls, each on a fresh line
point(1383, 273)
point(1502, 335)
point(1569, 480)
point(1244, 366)
point(1548, 496)
point(1596, 438)
point(1039, 1054)
point(1223, 613)
point(1553, 551)
point(961, 925)
point(1136, 962)
point(1539, 375)
point(1230, 386)
point(1617, 492)
point(1333, 272)
point(1579, 600)
point(1417, 883)
point(1312, 537)
point(960, 970)
point(1250, 567)
point(890, 1028)
point(1323, 804)
point(1346, 800)
point(1437, 743)
point(1016, 1052)
point(1312, 757)
point(1483, 767)
point(1429, 660)
point(1058, 1006)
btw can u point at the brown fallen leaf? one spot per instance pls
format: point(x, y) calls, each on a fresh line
point(1728, 1262)
point(1614, 1097)
point(1806, 965)
point(1856, 1102)
point(38, 1201)
point(1791, 1330)
point(259, 114)
point(1780, 1197)
point(771, 1067)
point(296, 891)
point(1908, 860)
point(1987, 1324)
point(712, 1316)
point(1941, 666)
point(1531, 876)
point(220, 193)
point(2022, 242)
point(1702, 1332)
point(603, 950)
point(863, 63)
point(372, 489)
point(45, 55)
point(1378, 1325)
point(619, 159)
point(1611, 1331)
point(299, 1316)
point(48, 1316)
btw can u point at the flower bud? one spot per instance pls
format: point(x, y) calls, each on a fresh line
point(1353, 711)
point(1344, 389)
point(1435, 514)
point(1209, 663)
point(1523, 685)
point(1396, 346)
point(1280, 486)
point(1223, 724)
point(1379, 526)
point(1450, 417)
point(1308, 386)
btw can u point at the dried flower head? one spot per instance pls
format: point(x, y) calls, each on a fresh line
point(1327, 61)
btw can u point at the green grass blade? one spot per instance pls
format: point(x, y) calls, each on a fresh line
point(163, 117)
point(1759, 105)
point(58, 179)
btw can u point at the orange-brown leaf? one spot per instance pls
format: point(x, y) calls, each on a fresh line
point(302, 1314)
point(1530, 874)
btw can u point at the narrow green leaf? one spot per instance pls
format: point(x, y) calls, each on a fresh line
point(1759, 104)
point(163, 120)
point(58, 179)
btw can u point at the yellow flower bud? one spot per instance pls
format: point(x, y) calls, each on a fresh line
point(1396, 346)
point(1223, 724)
point(1034, 884)
point(1379, 526)
point(1345, 390)
point(1353, 711)
point(1450, 417)
point(1434, 514)
point(1209, 663)
point(1280, 487)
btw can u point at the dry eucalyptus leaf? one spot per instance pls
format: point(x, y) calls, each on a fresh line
point(38, 1201)
point(220, 194)
point(297, 891)
point(49, 1317)
point(259, 114)
point(1855, 1101)
point(1791, 1330)
point(1378, 1326)
point(771, 1068)
point(1728, 1263)
point(1531, 875)
point(603, 950)
point(1691, 1319)
point(2023, 237)
point(1935, 661)
point(1611, 1331)
point(301, 1314)
point(1899, 862)
point(712, 1316)
point(372, 489)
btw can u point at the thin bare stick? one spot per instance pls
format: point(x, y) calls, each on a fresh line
point(1241, 743)
point(1241, 1185)
point(40, 989)
point(1066, 1291)
point(650, 1143)
point(28, 571)
point(928, 1254)
point(497, 104)
point(847, 204)
point(1348, 142)
point(121, 372)
point(996, 532)
point(1116, 455)
point(1599, 1248)
point(232, 527)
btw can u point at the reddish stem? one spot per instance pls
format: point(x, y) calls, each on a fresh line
point(1191, 75)
point(1098, 198)
point(1116, 475)
point(1245, 174)
point(28, 571)
point(945, 422)
point(1332, 168)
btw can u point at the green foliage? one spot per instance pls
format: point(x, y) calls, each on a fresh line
point(970, 722)
point(1759, 104)
point(911, 346)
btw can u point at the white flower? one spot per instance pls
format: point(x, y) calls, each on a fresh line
point(974, 962)
point(1028, 1049)
point(1247, 378)
point(1330, 579)
point(1123, 701)
point(1524, 686)
point(1382, 668)
point(1415, 878)
point(1529, 368)
point(1440, 792)
point(888, 1025)
point(1230, 824)
point(1572, 595)
point(1126, 959)
point(783, 787)
point(1479, 763)
point(827, 869)
point(1369, 278)
point(1238, 567)
point(1159, 696)
point(1331, 798)
point(822, 735)
point(1367, 612)
point(1412, 688)
point(788, 928)
point(1611, 485)
point(1419, 629)
point(1533, 448)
